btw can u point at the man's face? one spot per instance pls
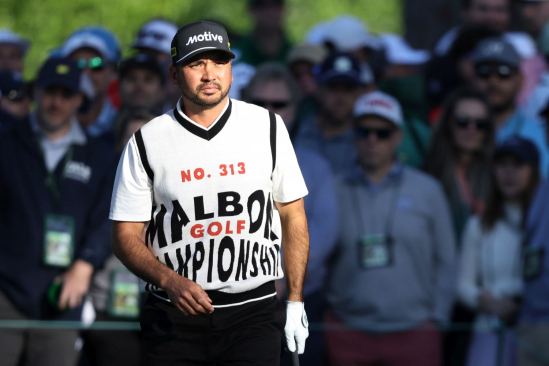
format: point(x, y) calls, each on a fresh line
point(536, 15)
point(268, 14)
point(337, 101)
point(500, 83)
point(494, 14)
point(377, 140)
point(205, 80)
point(101, 73)
point(276, 97)
point(141, 88)
point(56, 106)
point(11, 58)
point(302, 72)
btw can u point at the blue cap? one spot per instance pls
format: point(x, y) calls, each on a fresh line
point(62, 72)
point(498, 51)
point(339, 68)
point(95, 37)
point(518, 147)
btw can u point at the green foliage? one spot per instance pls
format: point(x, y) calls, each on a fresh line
point(48, 22)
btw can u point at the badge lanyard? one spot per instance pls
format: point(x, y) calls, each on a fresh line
point(390, 218)
point(53, 184)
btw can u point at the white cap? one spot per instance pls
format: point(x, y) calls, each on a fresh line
point(86, 40)
point(523, 43)
point(318, 33)
point(349, 33)
point(156, 35)
point(379, 104)
point(399, 52)
point(9, 37)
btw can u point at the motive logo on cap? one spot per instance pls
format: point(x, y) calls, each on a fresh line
point(207, 36)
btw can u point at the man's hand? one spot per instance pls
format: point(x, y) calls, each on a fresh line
point(76, 281)
point(188, 296)
point(297, 326)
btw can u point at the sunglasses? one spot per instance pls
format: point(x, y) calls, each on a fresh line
point(381, 133)
point(276, 104)
point(502, 71)
point(463, 122)
point(94, 64)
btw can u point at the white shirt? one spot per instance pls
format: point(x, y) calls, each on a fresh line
point(211, 194)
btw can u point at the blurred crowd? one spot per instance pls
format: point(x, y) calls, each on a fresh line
point(428, 206)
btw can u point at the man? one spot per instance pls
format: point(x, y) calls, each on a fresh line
point(267, 41)
point(535, 14)
point(141, 83)
point(96, 51)
point(392, 277)
point(497, 74)
point(534, 315)
point(494, 14)
point(328, 131)
point(274, 88)
point(219, 249)
point(54, 192)
point(13, 49)
point(14, 100)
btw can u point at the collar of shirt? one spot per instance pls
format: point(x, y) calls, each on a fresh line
point(394, 175)
point(104, 121)
point(180, 111)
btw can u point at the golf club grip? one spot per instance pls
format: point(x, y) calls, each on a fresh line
point(295, 358)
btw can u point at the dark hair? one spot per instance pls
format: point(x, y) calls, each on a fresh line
point(496, 202)
point(271, 71)
point(125, 116)
point(442, 154)
point(468, 39)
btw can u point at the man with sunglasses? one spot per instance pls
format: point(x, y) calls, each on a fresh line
point(96, 52)
point(55, 184)
point(498, 76)
point(214, 185)
point(396, 247)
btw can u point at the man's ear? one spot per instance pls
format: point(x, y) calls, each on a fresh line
point(173, 74)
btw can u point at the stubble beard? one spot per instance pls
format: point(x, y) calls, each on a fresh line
point(194, 96)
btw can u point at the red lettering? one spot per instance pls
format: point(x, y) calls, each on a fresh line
point(199, 173)
point(185, 175)
point(210, 229)
point(228, 229)
point(197, 231)
point(240, 226)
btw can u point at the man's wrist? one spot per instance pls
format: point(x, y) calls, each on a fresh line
point(295, 297)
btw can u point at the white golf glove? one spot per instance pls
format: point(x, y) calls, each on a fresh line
point(297, 326)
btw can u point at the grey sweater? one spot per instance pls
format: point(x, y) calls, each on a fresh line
point(420, 283)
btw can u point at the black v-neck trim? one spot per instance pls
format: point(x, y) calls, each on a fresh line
point(205, 134)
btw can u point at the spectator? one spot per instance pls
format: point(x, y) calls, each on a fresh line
point(490, 280)
point(154, 39)
point(13, 49)
point(267, 41)
point(402, 79)
point(534, 313)
point(497, 75)
point(460, 159)
point(114, 290)
point(539, 97)
point(55, 186)
point(392, 277)
point(460, 154)
point(96, 51)
point(328, 131)
point(494, 14)
point(535, 14)
point(273, 88)
point(14, 99)
point(141, 83)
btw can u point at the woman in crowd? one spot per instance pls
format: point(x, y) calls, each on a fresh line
point(490, 279)
point(460, 153)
